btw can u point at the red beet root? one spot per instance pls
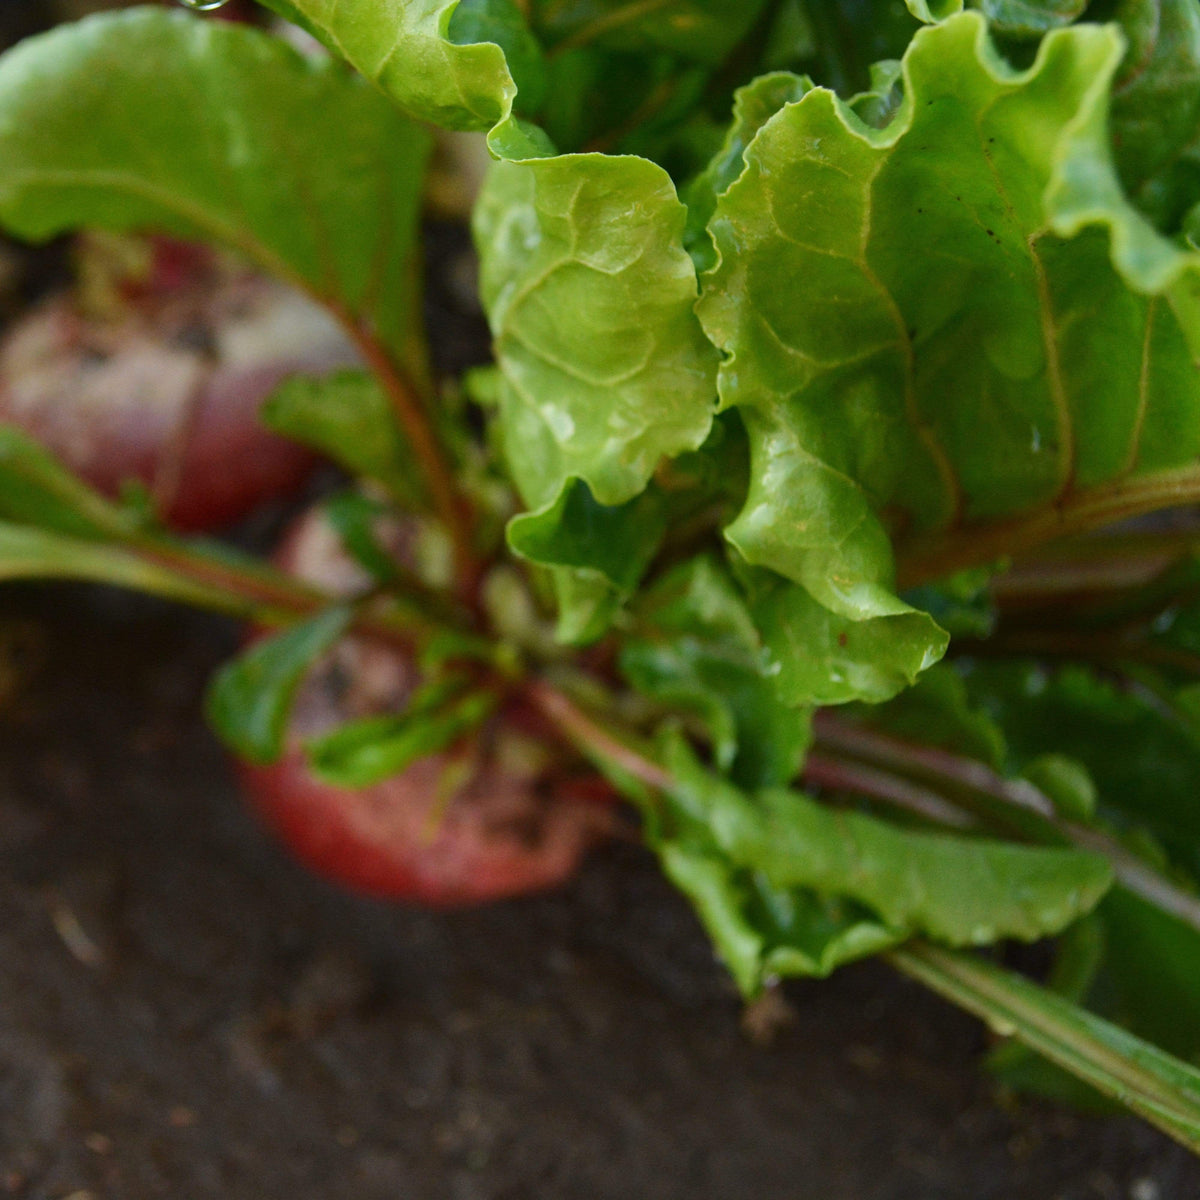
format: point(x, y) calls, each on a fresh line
point(496, 818)
point(167, 390)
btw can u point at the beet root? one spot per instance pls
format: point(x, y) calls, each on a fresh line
point(496, 816)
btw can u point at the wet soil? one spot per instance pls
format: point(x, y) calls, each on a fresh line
point(184, 1013)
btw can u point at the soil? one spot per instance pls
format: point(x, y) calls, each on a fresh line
point(185, 1013)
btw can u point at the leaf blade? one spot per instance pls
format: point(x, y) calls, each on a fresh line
point(243, 130)
point(250, 698)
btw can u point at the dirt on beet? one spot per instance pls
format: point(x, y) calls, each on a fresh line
point(184, 1013)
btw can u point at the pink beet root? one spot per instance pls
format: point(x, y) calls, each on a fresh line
point(496, 818)
point(166, 390)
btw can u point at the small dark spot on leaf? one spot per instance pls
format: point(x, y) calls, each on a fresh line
point(842, 638)
point(991, 233)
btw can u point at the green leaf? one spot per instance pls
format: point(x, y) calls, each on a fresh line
point(406, 50)
point(1163, 1090)
point(940, 368)
point(617, 541)
point(1156, 108)
point(697, 650)
point(250, 698)
point(753, 106)
point(820, 656)
point(1144, 759)
point(218, 132)
point(355, 517)
point(598, 553)
point(348, 417)
point(1153, 972)
point(35, 489)
point(1066, 783)
point(761, 933)
point(605, 371)
point(931, 11)
point(373, 749)
point(938, 711)
point(589, 293)
point(503, 23)
point(960, 891)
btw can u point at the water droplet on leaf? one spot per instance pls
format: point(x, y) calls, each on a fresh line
point(203, 5)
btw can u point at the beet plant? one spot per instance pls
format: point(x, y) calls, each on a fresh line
point(842, 353)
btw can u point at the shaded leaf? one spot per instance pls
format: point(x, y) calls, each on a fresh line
point(698, 650)
point(701, 30)
point(1144, 760)
point(1152, 972)
point(1156, 108)
point(617, 541)
point(35, 489)
point(1031, 18)
point(348, 417)
point(938, 711)
point(250, 698)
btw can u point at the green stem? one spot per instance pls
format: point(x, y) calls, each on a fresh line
point(615, 753)
point(449, 504)
point(839, 774)
point(1154, 1084)
point(250, 591)
point(924, 559)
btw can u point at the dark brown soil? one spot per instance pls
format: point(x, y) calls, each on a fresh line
point(185, 1014)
